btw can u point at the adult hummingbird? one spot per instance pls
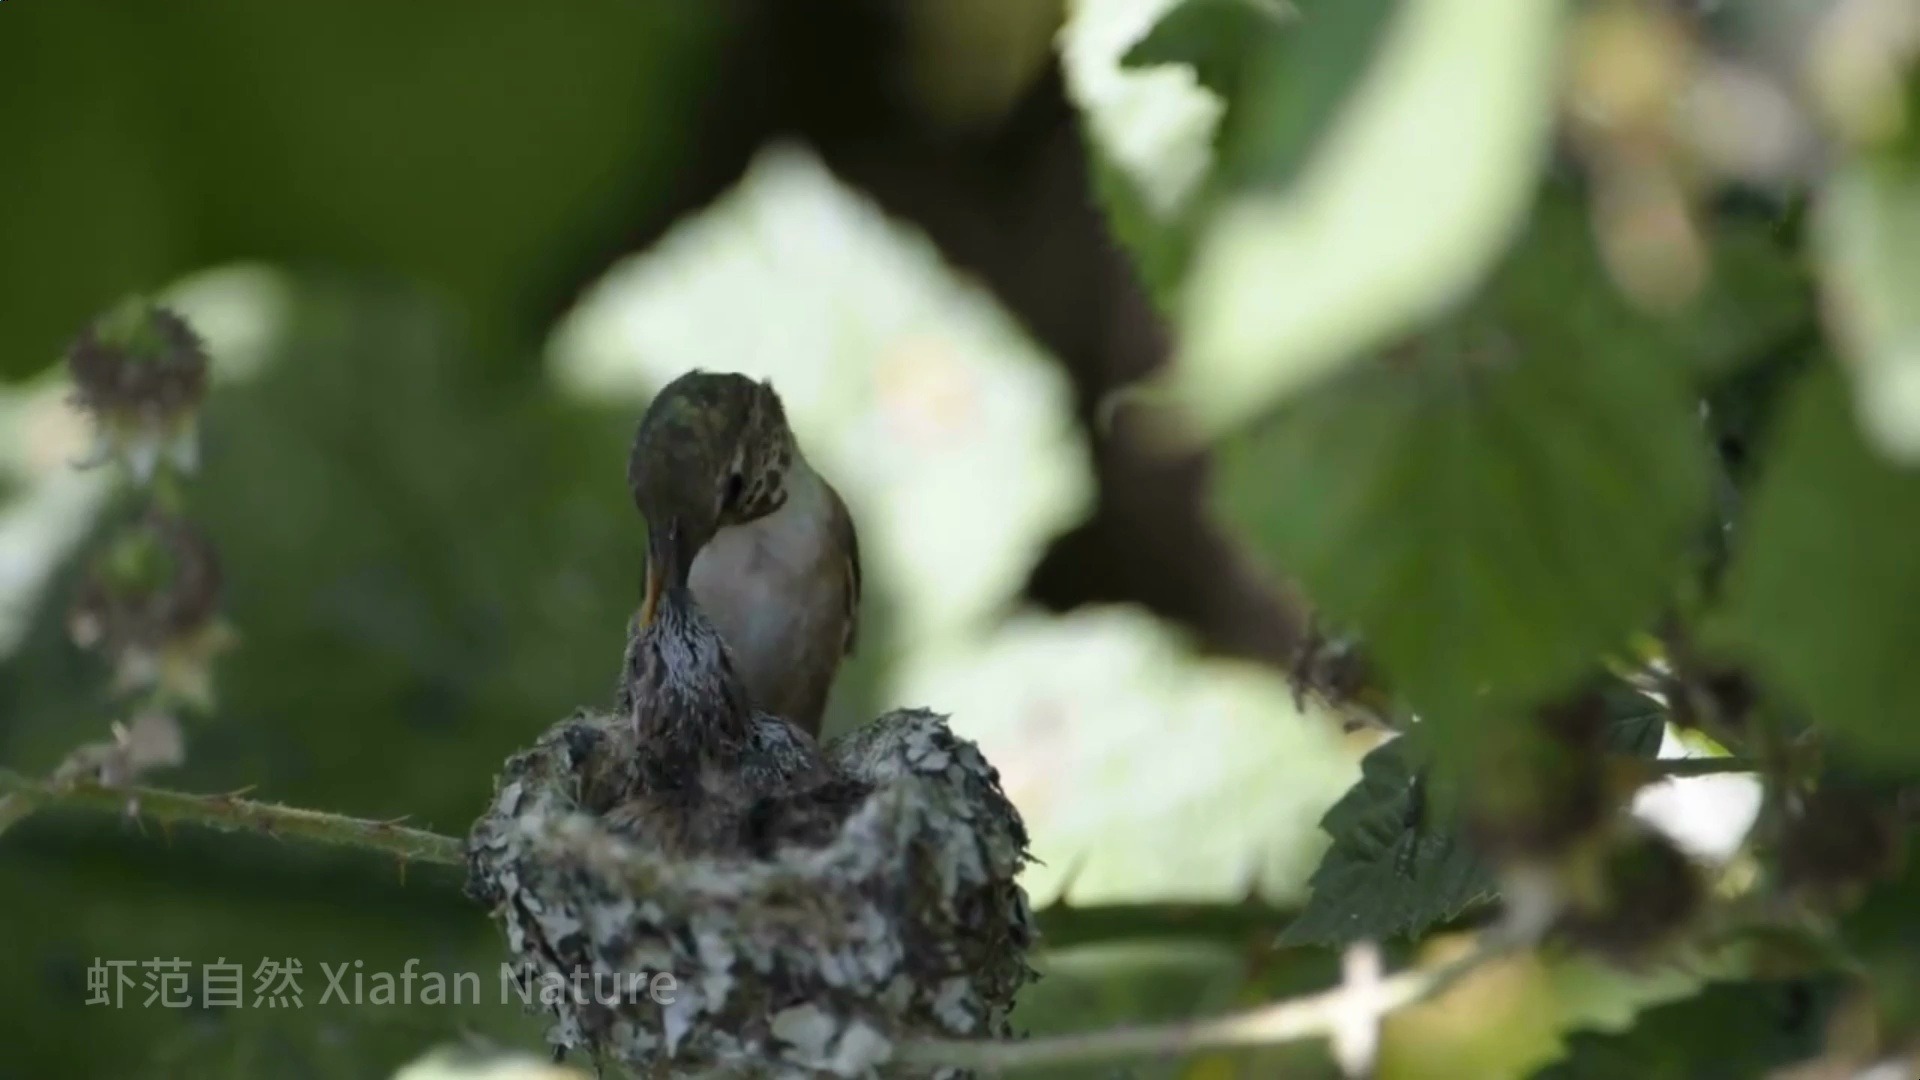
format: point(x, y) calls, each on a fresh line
point(767, 546)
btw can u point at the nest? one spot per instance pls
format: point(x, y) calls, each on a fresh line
point(894, 914)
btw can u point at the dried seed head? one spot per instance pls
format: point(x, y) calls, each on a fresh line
point(1839, 839)
point(141, 372)
point(138, 359)
point(150, 604)
point(1640, 891)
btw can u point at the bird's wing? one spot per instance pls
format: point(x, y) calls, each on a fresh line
point(843, 526)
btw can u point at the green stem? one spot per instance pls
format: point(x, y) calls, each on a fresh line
point(13, 807)
point(1063, 926)
point(1701, 766)
point(231, 813)
point(1313, 1015)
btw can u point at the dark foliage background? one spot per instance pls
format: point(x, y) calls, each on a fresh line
point(1558, 351)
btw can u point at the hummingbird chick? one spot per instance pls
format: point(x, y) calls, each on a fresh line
point(707, 766)
point(768, 546)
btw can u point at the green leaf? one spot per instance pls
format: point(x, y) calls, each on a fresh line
point(1884, 935)
point(1497, 501)
point(1273, 75)
point(1279, 76)
point(1729, 1031)
point(1297, 85)
point(1396, 867)
point(1825, 596)
point(1149, 131)
point(1406, 202)
point(1867, 237)
point(1759, 297)
point(1391, 870)
point(1215, 38)
point(1638, 726)
point(1160, 247)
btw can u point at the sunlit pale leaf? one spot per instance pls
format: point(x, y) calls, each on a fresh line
point(1154, 123)
point(949, 433)
point(1404, 205)
point(1868, 238)
point(1144, 772)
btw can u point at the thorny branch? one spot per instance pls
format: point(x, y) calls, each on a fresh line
point(231, 813)
point(1346, 1008)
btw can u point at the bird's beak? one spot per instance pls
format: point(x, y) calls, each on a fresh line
point(666, 565)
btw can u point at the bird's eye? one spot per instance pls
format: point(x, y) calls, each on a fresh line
point(736, 490)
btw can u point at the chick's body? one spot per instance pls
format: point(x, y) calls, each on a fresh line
point(711, 774)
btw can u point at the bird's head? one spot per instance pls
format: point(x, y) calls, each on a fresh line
point(713, 450)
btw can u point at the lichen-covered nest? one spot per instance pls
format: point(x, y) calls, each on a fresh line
point(803, 959)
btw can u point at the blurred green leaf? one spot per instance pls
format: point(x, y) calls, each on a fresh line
point(1297, 85)
point(1884, 934)
point(1160, 248)
point(1758, 297)
point(1867, 237)
point(1216, 38)
point(1280, 74)
point(1277, 74)
point(1496, 501)
point(1825, 592)
point(1406, 202)
point(1729, 1031)
point(474, 149)
point(1393, 869)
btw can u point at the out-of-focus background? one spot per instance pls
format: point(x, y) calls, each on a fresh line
point(442, 254)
